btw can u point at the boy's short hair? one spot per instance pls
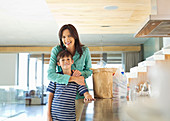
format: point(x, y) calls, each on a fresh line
point(64, 53)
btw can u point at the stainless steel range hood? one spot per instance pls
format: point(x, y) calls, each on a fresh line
point(157, 25)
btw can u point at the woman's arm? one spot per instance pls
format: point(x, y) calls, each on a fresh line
point(60, 78)
point(50, 98)
point(52, 75)
point(86, 71)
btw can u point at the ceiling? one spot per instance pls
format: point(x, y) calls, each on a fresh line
point(92, 17)
point(36, 22)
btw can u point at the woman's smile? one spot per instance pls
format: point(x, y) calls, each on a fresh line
point(67, 43)
point(67, 39)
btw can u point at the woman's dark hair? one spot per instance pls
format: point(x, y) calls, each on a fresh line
point(64, 53)
point(74, 34)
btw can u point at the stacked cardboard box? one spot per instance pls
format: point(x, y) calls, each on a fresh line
point(119, 84)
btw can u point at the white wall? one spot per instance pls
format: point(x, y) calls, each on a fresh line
point(166, 41)
point(8, 64)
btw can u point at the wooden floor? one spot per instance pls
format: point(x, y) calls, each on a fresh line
point(142, 109)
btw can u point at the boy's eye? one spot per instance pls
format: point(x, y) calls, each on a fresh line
point(68, 58)
point(62, 59)
point(63, 37)
point(69, 36)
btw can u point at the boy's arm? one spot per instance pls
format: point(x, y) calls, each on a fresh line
point(50, 98)
point(51, 88)
point(84, 91)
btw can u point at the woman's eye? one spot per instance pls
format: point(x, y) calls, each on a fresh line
point(62, 60)
point(68, 59)
point(69, 36)
point(63, 37)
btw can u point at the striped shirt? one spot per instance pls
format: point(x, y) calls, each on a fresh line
point(63, 103)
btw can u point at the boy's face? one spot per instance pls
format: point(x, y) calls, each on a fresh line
point(65, 62)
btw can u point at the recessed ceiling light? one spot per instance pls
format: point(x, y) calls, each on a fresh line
point(111, 7)
point(105, 26)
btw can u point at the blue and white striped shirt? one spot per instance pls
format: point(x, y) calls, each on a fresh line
point(63, 103)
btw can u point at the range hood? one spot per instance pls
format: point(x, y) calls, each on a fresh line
point(157, 24)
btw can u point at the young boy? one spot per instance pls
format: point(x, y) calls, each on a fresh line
point(61, 102)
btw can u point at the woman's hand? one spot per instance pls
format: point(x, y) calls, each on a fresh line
point(77, 79)
point(80, 80)
point(76, 73)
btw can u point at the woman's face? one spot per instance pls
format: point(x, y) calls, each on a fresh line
point(67, 39)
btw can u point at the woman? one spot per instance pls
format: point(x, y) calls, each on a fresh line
point(69, 40)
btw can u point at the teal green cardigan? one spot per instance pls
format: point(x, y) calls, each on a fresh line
point(82, 64)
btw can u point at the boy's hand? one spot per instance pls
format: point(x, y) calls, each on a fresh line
point(76, 73)
point(88, 97)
